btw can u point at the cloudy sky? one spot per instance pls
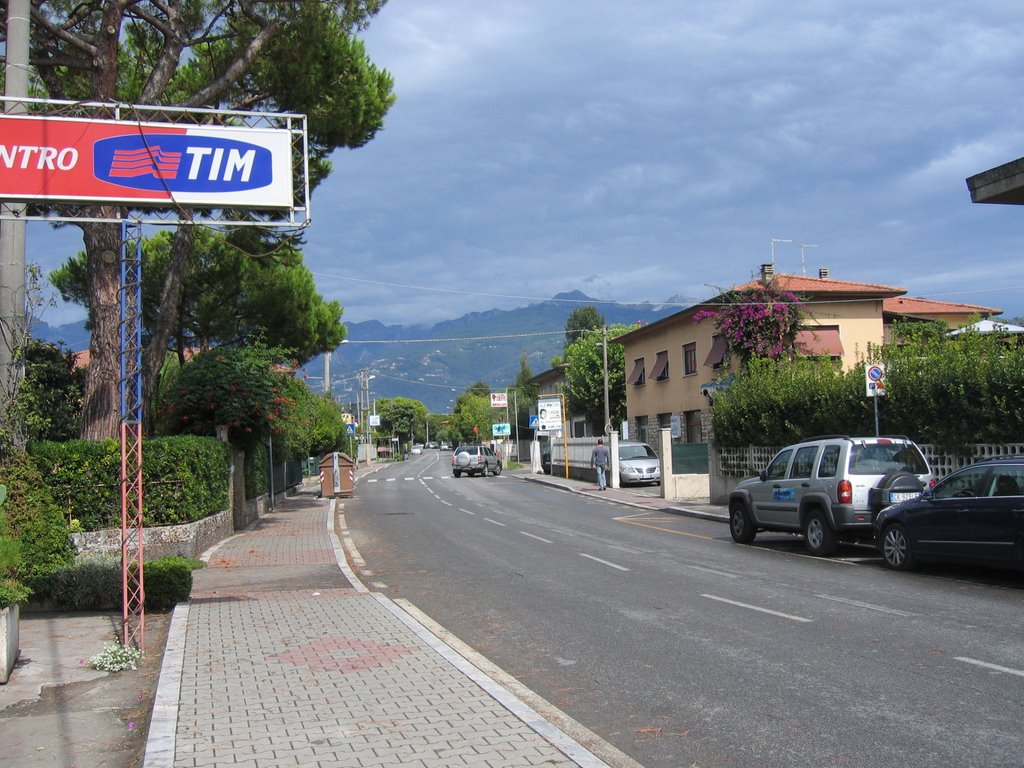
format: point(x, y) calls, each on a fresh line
point(643, 150)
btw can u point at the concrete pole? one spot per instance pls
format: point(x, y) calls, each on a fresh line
point(12, 233)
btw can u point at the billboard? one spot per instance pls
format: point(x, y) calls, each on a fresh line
point(549, 413)
point(144, 164)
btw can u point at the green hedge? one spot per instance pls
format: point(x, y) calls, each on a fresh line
point(184, 479)
point(94, 584)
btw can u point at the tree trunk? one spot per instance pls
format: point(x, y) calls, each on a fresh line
point(101, 409)
point(167, 320)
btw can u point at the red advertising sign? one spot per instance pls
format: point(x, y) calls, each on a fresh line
point(149, 164)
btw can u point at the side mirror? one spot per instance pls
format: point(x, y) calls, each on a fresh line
point(763, 474)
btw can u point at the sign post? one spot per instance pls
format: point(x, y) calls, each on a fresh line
point(874, 379)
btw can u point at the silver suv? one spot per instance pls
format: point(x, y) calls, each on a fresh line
point(828, 488)
point(475, 460)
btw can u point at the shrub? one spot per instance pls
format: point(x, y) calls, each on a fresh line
point(31, 517)
point(168, 581)
point(94, 584)
point(91, 584)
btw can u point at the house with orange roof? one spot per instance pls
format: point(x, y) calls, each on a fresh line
point(675, 365)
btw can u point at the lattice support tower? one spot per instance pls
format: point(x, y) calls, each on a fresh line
point(134, 595)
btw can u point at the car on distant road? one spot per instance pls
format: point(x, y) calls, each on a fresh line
point(475, 460)
point(417, 449)
point(829, 488)
point(974, 515)
point(638, 463)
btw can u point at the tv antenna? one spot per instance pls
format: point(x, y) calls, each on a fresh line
point(803, 259)
point(775, 240)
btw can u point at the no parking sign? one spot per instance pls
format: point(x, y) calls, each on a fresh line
point(874, 376)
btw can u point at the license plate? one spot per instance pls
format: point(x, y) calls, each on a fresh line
point(903, 496)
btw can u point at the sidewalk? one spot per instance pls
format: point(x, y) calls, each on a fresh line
point(283, 657)
point(634, 497)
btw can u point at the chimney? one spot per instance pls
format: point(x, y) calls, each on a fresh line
point(823, 273)
point(767, 272)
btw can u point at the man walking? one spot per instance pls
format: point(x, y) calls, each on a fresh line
point(599, 460)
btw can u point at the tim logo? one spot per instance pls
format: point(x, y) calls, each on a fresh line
point(182, 163)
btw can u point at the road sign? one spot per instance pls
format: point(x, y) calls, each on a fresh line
point(350, 428)
point(501, 430)
point(874, 376)
point(534, 421)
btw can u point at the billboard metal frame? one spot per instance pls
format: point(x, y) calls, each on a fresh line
point(132, 217)
point(295, 217)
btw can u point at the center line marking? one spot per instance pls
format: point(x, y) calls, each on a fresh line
point(713, 571)
point(994, 667)
point(466, 511)
point(869, 606)
point(533, 536)
point(756, 608)
point(495, 522)
point(603, 562)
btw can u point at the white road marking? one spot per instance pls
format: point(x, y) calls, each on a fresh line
point(378, 585)
point(533, 536)
point(371, 480)
point(466, 511)
point(446, 503)
point(869, 606)
point(389, 480)
point(603, 562)
point(994, 667)
point(495, 522)
point(757, 608)
point(712, 570)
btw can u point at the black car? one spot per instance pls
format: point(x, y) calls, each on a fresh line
point(976, 515)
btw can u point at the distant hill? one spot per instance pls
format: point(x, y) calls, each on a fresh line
point(435, 364)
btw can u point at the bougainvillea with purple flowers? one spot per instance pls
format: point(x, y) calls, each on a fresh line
point(760, 321)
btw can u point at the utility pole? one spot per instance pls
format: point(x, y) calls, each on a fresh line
point(12, 230)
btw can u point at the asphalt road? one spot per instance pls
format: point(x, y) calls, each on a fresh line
point(681, 648)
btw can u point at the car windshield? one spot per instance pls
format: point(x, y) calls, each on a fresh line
point(883, 458)
point(636, 452)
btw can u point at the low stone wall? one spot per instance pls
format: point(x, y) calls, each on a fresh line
point(186, 540)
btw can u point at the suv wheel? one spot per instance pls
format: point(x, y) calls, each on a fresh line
point(497, 469)
point(456, 473)
point(896, 551)
point(740, 525)
point(819, 537)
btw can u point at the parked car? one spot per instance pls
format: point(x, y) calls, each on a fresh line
point(475, 460)
point(417, 449)
point(975, 515)
point(829, 488)
point(638, 463)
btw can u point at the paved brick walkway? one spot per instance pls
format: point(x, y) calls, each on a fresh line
point(280, 659)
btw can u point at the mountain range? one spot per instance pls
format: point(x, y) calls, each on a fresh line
point(435, 364)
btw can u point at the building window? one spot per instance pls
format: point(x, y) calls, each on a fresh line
point(820, 341)
point(641, 429)
point(716, 357)
point(636, 376)
point(694, 433)
point(690, 358)
point(664, 421)
point(660, 370)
